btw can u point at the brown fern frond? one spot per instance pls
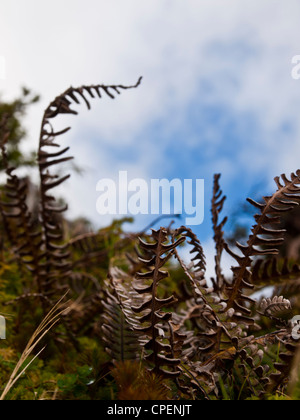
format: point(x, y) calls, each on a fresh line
point(57, 253)
point(205, 310)
point(127, 296)
point(217, 204)
point(265, 239)
point(275, 307)
point(120, 338)
point(152, 317)
point(177, 340)
point(254, 373)
point(283, 368)
point(24, 237)
point(273, 271)
point(199, 260)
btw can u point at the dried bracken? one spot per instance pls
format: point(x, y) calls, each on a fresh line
point(276, 306)
point(57, 254)
point(43, 249)
point(225, 336)
point(152, 317)
point(120, 338)
point(157, 316)
point(218, 201)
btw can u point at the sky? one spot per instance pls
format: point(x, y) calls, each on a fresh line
point(217, 94)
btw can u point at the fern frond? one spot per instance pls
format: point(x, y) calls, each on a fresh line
point(273, 271)
point(120, 338)
point(254, 373)
point(24, 237)
point(57, 253)
point(127, 296)
point(275, 307)
point(217, 205)
point(153, 317)
point(198, 260)
point(265, 239)
point(283, 367)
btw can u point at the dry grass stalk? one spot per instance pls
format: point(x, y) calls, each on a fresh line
point(50, 320)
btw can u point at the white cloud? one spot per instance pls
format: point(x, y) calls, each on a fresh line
point(237, 54)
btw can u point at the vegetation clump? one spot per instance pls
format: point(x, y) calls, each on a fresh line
point(134, 319)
